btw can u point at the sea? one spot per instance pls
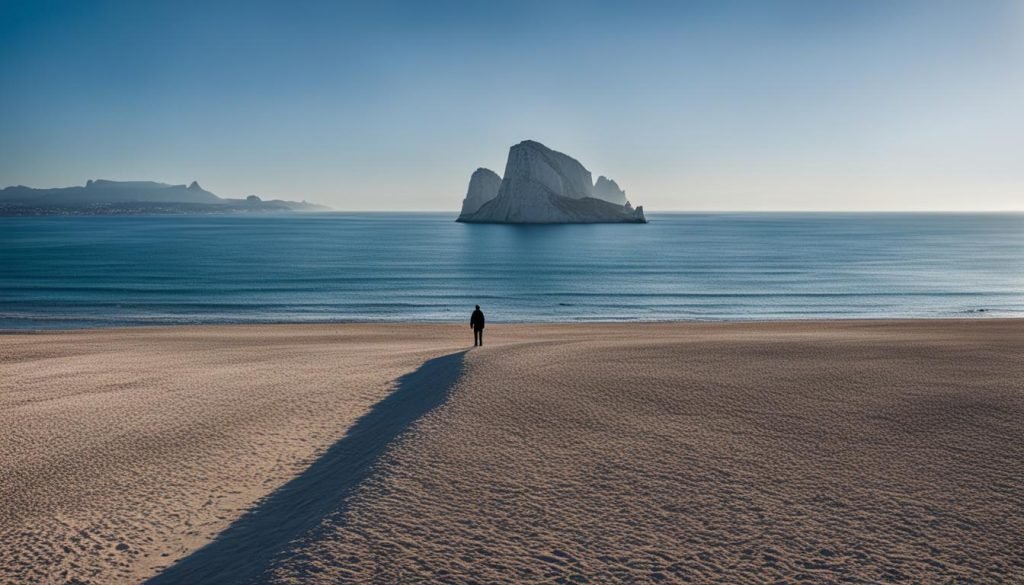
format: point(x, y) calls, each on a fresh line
point(85, 272)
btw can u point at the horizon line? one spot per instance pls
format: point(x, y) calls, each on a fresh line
point(701, 211)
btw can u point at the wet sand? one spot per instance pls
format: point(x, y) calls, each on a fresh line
point(802, 451)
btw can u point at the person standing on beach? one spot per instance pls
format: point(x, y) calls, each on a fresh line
point(477, 323)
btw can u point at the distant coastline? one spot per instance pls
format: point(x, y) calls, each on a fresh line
point(103, 197)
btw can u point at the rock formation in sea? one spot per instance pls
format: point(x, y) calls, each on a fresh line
point(483, 186)
point(545, 186)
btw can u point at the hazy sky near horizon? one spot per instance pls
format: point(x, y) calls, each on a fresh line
point(734, 105)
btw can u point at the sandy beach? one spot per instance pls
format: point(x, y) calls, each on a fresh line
point(849, 451)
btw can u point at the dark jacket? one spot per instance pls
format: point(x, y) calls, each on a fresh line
point(477, 320)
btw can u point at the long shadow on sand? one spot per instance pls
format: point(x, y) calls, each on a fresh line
point(243, 552)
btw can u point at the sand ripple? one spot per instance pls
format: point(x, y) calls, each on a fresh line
point(855, 453)
point(123, 451)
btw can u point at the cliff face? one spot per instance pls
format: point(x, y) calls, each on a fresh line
point(483, 186)
point(531, 164)
point(608, 190)
point(545, 186)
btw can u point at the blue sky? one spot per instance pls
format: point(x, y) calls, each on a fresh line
point(790, 105)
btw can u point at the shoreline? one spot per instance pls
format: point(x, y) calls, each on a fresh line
point(395, 323)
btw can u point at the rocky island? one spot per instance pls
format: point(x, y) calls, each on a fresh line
point(103, 197)
point(545, 186)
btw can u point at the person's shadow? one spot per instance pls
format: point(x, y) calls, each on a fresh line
point(246, 549)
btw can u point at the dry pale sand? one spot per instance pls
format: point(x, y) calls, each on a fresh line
point(779, 452)
point(121, 451)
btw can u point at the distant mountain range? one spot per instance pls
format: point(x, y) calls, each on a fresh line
point(102, 197)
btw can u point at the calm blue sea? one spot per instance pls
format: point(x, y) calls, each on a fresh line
point(70, 272)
